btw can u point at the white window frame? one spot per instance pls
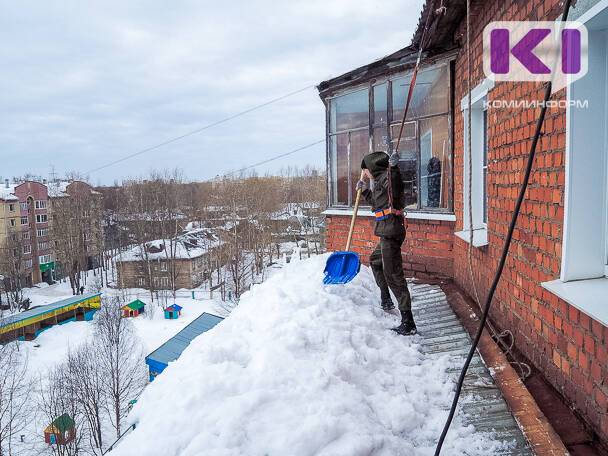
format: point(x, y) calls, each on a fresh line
point(24, 218)
point(11, 207)
point(39, 218)
point(27, 249)
point(23, 206)
point(40, 204)
point(479, 96)
point(163, 266)
point(12, 222)
point(583, 281)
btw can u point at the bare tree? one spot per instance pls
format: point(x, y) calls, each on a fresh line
point(15, 394)
point(120, 356)
point(58, 398)
point(12, 269)
point(85, 379)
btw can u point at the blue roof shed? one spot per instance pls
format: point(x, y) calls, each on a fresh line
point(160, 358)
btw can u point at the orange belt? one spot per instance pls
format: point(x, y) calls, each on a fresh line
point(383, 214)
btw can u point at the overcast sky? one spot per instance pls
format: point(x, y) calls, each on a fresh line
point(85, 83)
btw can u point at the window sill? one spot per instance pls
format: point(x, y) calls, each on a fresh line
point(480, 236)
point(410, 215)
point(589, 296)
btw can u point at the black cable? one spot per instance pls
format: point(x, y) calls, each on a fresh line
point(505, 252)
point(198, 130)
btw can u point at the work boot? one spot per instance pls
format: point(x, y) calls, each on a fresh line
point(387, 305)
point(407, 326)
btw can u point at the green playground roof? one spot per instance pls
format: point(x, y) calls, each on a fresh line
point(63, 423)
point(135, 305)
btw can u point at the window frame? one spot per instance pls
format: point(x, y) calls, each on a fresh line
point(480, 147)
point(583, 281)
point(390, 123)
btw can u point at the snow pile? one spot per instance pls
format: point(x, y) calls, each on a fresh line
point(299, 368)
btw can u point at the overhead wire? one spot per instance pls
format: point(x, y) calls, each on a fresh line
point(268, 160)
point(200, 129)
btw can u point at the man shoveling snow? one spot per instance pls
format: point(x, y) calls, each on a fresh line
point(387, 200)
point(301, 369)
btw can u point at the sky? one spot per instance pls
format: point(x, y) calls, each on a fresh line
point(87, 83)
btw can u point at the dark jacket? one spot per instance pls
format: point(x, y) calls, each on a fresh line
point(378, 198)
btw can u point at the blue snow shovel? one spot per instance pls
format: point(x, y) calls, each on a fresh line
point(342, 267)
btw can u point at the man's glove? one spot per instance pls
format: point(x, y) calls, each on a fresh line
point(393, 160)
point(362, 185)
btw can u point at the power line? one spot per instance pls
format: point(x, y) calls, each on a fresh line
point(276, 157)
point(198, 130)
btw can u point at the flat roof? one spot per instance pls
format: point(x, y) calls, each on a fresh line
point(173, 348)
point(40, 310)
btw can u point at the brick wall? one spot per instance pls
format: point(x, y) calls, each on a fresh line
point(565, 344)
point(427, 251)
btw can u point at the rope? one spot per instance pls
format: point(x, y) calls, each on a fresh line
point(523, 368)
point(408, 101)
point(504, 254)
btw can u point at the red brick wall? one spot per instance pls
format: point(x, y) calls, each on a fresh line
point(427, 250)
point(565, 344)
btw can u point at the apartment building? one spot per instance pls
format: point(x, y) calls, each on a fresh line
point(26, 235)
point(24, 230)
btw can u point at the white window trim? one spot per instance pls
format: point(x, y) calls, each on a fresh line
point(447, 217)
point(480, 228)
point(583, 282)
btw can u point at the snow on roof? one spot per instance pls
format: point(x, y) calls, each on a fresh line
point(189, 244)
point(58, 189)
point(8, 193)
point(300, 368)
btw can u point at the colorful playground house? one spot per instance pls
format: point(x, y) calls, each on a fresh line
point(173, 312)
point(61, 431)
point(160, 358)
point(29, 324)
point(133, 309)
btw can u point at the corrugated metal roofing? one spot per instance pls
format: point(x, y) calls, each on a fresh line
point(170, 350)
point(482, 404)
point(12, 319)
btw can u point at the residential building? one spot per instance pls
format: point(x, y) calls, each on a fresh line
point(24, 223)
point(170, 264)
point(78, 202)
point(553, 295)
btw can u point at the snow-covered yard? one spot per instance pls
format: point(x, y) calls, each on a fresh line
point(51, 347)
point(299, 368)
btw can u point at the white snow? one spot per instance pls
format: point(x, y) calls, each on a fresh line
point(299, 368)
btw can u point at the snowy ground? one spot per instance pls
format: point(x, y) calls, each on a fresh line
point(299, 368)
point(52, 346)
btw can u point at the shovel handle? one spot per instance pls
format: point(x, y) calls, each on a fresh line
point(352, 222)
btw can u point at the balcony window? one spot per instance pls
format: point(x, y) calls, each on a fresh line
point(368, 119)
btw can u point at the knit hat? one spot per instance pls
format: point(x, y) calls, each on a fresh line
point(376, 162)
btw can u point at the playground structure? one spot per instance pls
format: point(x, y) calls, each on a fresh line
point(29, 324)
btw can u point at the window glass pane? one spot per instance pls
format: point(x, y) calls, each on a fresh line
point(338, 157)
point(359, 147)
point(409, 132)
point(408, 151)
point(349, 111)
point(431, 94)
point(380, 140)
point(435, 169)
point(380, 105)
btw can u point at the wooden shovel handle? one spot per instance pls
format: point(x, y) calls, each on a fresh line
point(352, 222)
